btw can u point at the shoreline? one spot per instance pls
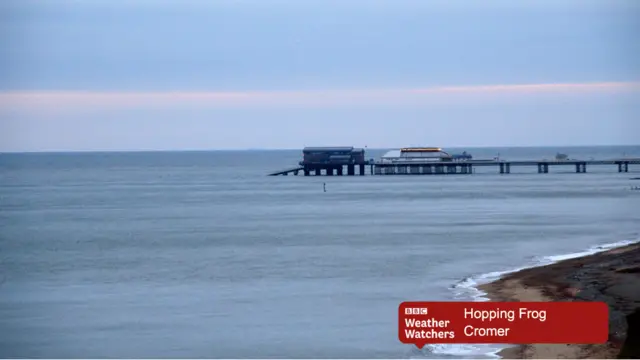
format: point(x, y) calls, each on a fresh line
point(611, 275)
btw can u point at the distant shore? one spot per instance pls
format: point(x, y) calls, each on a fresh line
point(612, 276)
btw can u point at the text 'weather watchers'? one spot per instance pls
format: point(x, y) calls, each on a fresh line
point(422, 323)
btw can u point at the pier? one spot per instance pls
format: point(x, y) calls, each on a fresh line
point(350, 161)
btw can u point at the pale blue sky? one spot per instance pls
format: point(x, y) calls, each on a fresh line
point(191, 74)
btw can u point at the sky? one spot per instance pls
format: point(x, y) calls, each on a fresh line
point(84, 75)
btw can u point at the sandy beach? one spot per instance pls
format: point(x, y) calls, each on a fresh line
point(611, 276)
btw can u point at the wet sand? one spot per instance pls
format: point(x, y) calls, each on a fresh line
point(612, 276)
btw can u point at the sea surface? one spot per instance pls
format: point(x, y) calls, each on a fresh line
point(201, 255)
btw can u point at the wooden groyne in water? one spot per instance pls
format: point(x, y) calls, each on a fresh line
point(333, 161)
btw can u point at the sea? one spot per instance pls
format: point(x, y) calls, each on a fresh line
point(200, 254)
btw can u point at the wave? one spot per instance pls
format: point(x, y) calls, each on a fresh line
point(467, 289)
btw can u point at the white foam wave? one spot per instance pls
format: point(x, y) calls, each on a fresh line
point(467, 289)
point(591, 251)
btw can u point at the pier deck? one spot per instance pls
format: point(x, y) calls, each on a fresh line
point(457, 167)
point(503, 166)
point(287, 171)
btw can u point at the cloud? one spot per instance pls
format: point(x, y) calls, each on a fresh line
point(532, 88)
point(82, 100)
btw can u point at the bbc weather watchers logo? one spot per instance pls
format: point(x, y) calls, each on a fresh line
point(415, 311)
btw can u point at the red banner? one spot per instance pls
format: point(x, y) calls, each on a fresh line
point(422, 323)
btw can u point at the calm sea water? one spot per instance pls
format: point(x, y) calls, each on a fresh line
point(199, 254)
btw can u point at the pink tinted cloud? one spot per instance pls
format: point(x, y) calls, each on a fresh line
point(89, 99)
point(535, 88)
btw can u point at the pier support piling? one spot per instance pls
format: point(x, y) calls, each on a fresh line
point(581, 167)
point(578, 168)
point(362, 169)
point(543, 168)
point(389, 170)
point(623, 167)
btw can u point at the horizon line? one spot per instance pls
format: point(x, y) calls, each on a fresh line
point(298, 149)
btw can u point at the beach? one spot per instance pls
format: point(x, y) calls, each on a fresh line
point(612, 276)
